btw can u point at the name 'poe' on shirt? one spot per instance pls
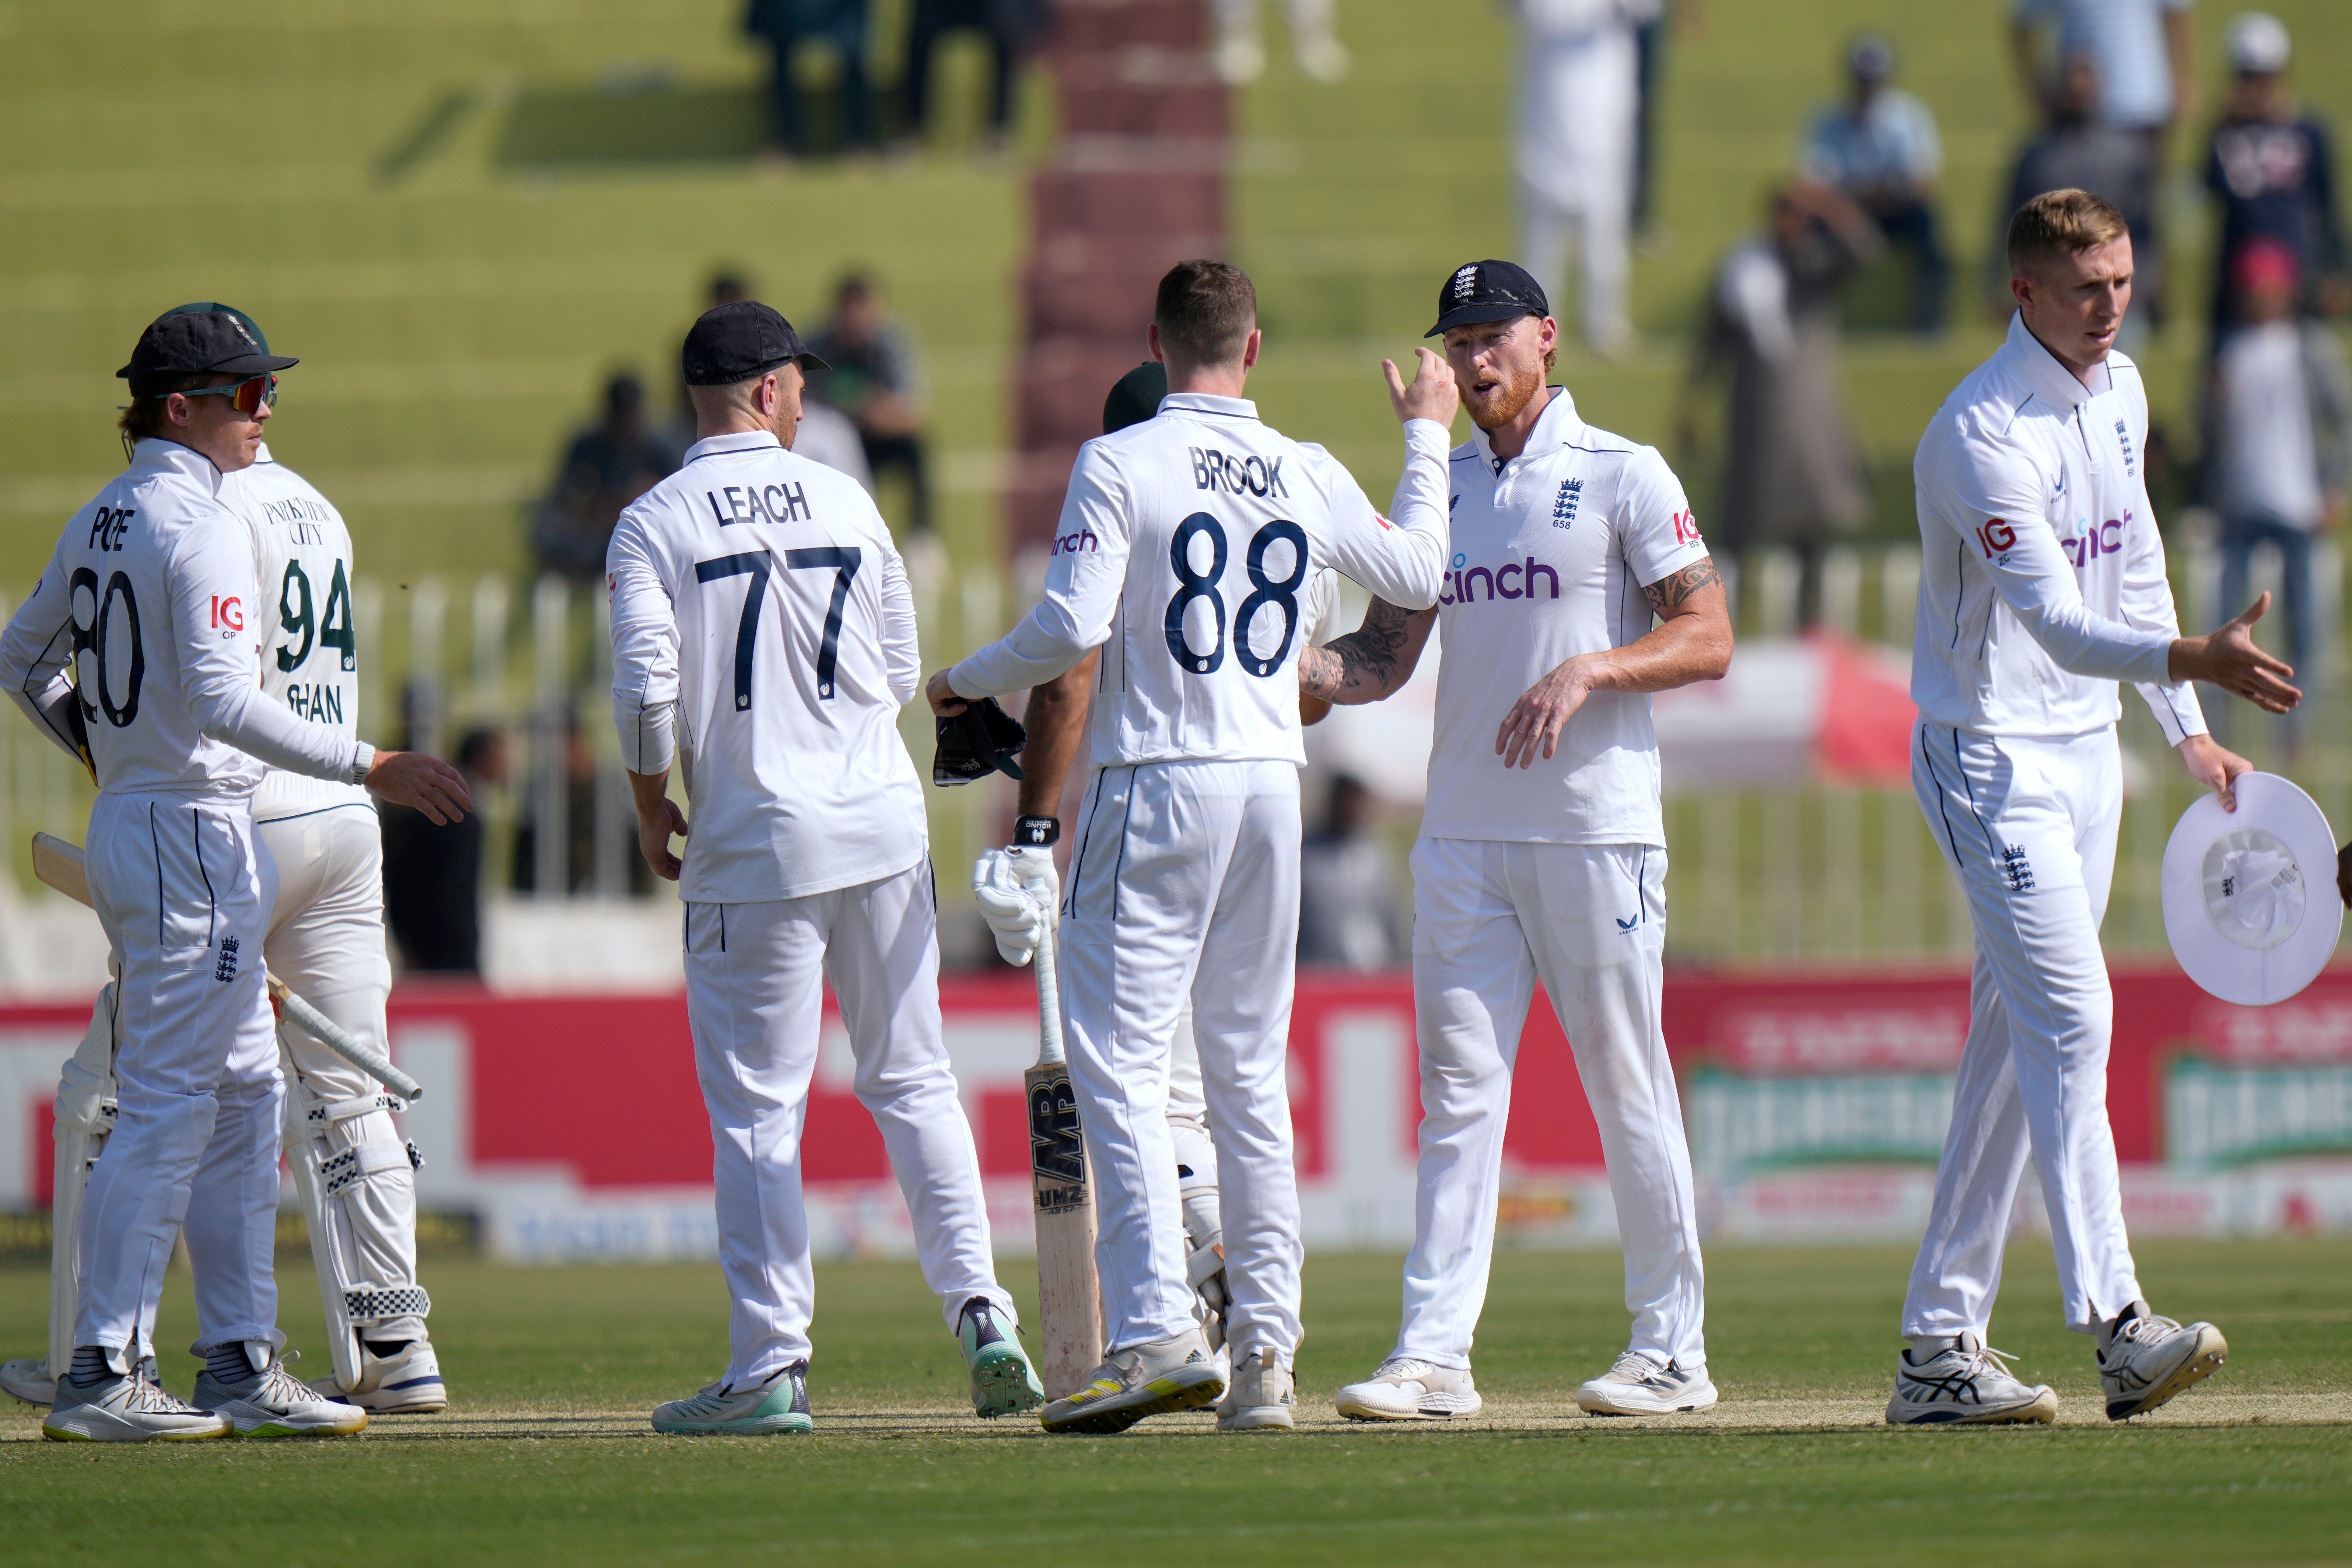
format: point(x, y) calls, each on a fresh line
point(759, 503)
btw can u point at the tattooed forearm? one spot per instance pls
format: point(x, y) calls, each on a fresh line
point(1668, 594)
point(1370, 662)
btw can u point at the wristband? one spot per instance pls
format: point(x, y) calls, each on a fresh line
point(363, 764)
point(1037, 832)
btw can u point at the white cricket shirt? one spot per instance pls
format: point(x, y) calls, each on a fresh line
point(1551, 552)
point(2042, 574)
point(763, 634)
point(309, 654)
point(1187, 550)
point(148, 607)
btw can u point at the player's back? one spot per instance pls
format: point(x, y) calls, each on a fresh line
point(793, 650)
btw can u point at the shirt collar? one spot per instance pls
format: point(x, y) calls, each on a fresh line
point(1208, 402)
point(153, 454)
point(2041, 370)
point(733, 441)
point(1557, 425)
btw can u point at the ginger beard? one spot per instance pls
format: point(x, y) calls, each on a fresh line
point(1498, 366)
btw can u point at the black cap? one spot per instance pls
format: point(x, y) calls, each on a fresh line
point(738, 340)
point(1135, 397)
point(201, 340)
point(1488, 291)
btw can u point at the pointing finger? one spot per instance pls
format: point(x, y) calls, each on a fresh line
point(1395, 378)
point(2257, 610)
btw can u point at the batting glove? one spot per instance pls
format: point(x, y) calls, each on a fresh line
point(1015, 917)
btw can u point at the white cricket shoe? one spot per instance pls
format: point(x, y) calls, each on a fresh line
point(1638, 1385)
point(776, 1406)
point(405, 1382)
point(1406, 1388)
point(2149, 1359)
point(1965, 1384)
point(1260, 1397)
point(29, 1380)
point(271, 1402)
point(128, 1409)
point(1179, 1372)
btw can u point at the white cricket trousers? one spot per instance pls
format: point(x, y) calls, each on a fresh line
point(1185, 886)
point(1490, 919)
point(754, 993)
point(183, 889)
point(2030, 828)
point(326, 942)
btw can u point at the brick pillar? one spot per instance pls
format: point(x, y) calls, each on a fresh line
point(1137, 185)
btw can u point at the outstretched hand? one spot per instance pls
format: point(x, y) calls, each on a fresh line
point(2227, 658)
point(421, 783)
point(1430, 395)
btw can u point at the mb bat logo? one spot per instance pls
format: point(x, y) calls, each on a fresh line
point(1057, 1155)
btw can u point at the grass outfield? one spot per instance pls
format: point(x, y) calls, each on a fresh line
point(547, 1457)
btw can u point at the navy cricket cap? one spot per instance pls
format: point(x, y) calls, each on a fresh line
point(201, 340)
point(1135, 396)
point(738, 340)
point(1488, 291)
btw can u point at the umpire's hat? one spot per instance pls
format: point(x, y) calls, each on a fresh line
point(1488, 291)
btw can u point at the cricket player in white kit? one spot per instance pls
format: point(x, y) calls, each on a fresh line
point(139, 647)
point(325, 941)
point(1579, 97)
point(763, 639)
point(2043, 586)
point(1542, 851)
point(1183, 546)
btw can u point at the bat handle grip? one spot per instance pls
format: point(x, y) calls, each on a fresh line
point(1049, 1001)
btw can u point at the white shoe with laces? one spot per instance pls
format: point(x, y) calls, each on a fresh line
point(2148, 1360)
point(1260, 1396)
point(126, 1409)
point(271, 1402)
point(1638, 1385)
point(1407, 1388)
point(1965, 1384)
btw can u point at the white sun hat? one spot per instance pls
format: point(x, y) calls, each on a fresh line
point(2250, 901)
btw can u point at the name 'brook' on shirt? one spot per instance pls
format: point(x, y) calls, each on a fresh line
point(1236, 475)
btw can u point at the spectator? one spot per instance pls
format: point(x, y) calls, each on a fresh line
point(825, 434)
point(433, 875)
point(785, 25)
point(2278, 443)
point(1009, 26)
point(2143, 52)
point(606, 468)
point(1650, 34)
point(1791, 474)
point(1574, 151)
point(577, 759)
point(1347, 906)
point(874, 377)
point(2076, 151)
point(2272, 168)
point(1314, 41)
point(1880, 148)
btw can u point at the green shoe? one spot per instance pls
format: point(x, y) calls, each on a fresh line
point(781, 1404)
point(1003, 1381)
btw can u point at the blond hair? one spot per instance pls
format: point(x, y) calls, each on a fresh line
point(2062, 222)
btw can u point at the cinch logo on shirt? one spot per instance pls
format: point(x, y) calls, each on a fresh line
point(767, 504)
point(1462, 586)
point(1563, 505)
point(2107, 539)
point(1071, 543)
point(1236, 475)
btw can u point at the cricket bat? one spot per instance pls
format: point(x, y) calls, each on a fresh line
point(1069, 1302)
point(60, 865)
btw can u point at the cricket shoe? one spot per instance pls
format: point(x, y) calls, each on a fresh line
point(1179, 1372)
point(1260, 1397)
point(29, 1380)
point(2148, 1360)
point(126, 1409)
point(1003, 1381)
point(271, 1402)
point(1406, 1388)
point(405, 1382)
point(776, 1406)
point(1638, 1385)
point(1965, 1384)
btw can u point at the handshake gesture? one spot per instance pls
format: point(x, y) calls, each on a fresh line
point(1017, 890)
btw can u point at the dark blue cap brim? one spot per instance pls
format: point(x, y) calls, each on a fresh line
point(1473, 315)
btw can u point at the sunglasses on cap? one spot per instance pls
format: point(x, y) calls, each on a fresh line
point(248, 394)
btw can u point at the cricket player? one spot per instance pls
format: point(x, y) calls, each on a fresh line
point(2043, 586)
point(763, 639)
point(1542, 853)
point(1579, 96)
point(1183, 546)
point(352, 1170)
point(139, 650)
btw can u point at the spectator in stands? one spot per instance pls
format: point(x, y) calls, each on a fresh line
point(1347, 902)
point(1791, 474)
point(433, 875)
point(874, 377)
point(825, 434)
point(2272, 168)
point(2143, 52)
point(1314, 41)
point(607, 467)
point(1008, 27)
point(2278, 443)
point(576, 759)
point(1579, 90)
point(1880, 149)
point(2077, 151)
point(841, 26)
